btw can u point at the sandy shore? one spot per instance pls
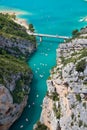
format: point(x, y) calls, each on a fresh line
point(11, 12)
point(18, 20)
point(22, 22)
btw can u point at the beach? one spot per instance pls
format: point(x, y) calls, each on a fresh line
point(18, 20)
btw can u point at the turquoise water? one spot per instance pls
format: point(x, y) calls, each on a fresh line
point(48, 16)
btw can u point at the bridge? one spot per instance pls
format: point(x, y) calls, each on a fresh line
point(46, 35)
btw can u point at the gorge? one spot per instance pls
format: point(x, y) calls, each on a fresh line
point(52, 17)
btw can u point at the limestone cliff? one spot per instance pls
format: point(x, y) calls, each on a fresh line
point(14, 38)
point(65, 105)
point(15, 75)
point(17, 47)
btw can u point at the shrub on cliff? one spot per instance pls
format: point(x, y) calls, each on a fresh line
point(78, 97)
point(31, 28)
point(57, 111)
point(75, 33)
point(54, 96)
point(11, 67)
point(81, 65)
point(41, 126)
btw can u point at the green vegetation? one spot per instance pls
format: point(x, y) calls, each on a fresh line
point(54, 96)
point(75, 33)
point(85, 125)
point(81, 65)
point(9, 66)
point(18, 54)
point(49, 78)
point(8, 62)
point(66, 61)
point(18, 94)
point(11, 29)
point(72, 116)
point(85, 83)
point(79, 115)
point(78, 97)
point(84, 105)
point(75, 56)
point(41, 126)
point(73, 106)
point(83, 53)
point(13, 69)
point(75, 53)
point(57, 111)
point(80, 123)
point(72, 123)
point(31, 28)
point(13, 16)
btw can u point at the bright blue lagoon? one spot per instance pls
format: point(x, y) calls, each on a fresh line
point(48, 16)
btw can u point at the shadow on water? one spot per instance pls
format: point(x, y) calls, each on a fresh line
point(50, 41)
point(30, 109)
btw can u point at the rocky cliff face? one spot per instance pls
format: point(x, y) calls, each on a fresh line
point(14, 90)
point(15, 74)
point(17, 46)
point(65, 105)
point(9, 111)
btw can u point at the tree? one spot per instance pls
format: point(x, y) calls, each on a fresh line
point(75, 33)
point(31, 28)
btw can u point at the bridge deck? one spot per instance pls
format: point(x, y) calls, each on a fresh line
point(47, 35)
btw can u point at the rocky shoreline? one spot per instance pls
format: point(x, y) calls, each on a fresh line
point(65, 105)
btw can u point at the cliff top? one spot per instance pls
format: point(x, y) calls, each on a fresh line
point(64, 107)
point(10, 28)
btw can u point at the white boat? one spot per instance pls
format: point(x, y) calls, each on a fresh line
point(41, 76)
point(46, 54)
point(33, 103)
point(37, 95)
point(21, 126)
point(29, 106)
point(27, 119)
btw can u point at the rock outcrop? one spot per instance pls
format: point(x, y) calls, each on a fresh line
point(9, 111)
point(15, 75)
point(65, 105)
point(17, 46)
point(14, 90)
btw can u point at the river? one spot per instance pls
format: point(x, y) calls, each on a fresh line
point(51, 17)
